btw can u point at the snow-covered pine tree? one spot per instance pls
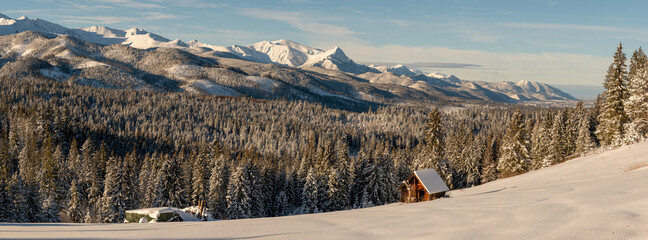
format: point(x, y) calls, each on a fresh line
point(6, 200)
point(636, 105)
point(612, 116)
point(377, 190)
point(238, 194)
point(17, 193)
point(74, 209)
point(556, 151)
point(472, 156)
point(310, 194)
point(257, 194)
point(146, 180)
point(6, 212)
point(489, 163)
point(359, 178)
point(171, 185)
point(63, 176)
point(218, 182)
point(201, 170)
point(293, 190)
point(434, 139)
point(51, 209)
point(130, 181)
point(584, 140)
point(283, 204)
point(342, 182)
point(33, 204)
point(541, 140)
point(514, 158)
point(112, 202)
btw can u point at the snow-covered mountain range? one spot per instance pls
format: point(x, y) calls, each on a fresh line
point(398, 83)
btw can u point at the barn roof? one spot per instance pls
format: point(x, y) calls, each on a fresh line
point(431, 180)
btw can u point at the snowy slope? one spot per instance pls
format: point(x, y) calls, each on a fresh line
point(593, 197)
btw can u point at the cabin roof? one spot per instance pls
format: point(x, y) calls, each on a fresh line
point(430, 180)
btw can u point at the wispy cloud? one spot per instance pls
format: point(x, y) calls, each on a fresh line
point(471, 32)
point(302, 21)
point(417, 65)
point(106, 20)
point(549, 67)
point(132, 4)
point(399, 23)
point(576, 27)
point(160, 16)
point(97, 20)
point(192, 3)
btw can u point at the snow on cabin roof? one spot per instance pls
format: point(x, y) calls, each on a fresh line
point(431, 180)
point(155, 212)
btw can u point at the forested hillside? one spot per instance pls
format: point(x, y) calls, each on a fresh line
point(76, 153)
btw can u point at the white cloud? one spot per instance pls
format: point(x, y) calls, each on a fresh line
point(543, 26)
point(304, 22)
point(132, 4)
point(554, 68)
point(97, 20)
point(399, 23)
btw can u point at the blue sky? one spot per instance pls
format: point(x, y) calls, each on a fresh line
point(558, 42)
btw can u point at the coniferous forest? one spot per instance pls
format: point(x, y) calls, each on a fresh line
point(83, 154)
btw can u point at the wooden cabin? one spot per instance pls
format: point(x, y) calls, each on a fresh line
point(422, 185)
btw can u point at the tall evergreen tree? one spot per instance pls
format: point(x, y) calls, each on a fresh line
point(310, 194)
point(218, 182)
point(612, 116)
point(170, 184)
point(201, 170)
point(74, 208)
point(434, 139)
point(636, 105)
point(112, 202)
point(238, 194)
point(19, 207)
point(585, 140)
point(130, 182)
point(514, 158)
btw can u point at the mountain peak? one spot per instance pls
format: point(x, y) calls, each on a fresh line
point(4, 16)
point(337, 53)
point(22, 18)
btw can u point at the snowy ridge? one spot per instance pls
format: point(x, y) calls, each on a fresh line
point(292, 54)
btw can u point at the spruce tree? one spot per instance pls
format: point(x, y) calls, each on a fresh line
point(17, 192)
point(514, 158)
point(541, 141)
point(218, 182)
point(584, 141)
point(201, 170)
point(112, 202)
point(171, 185)
point(434, 140)
point(612, 116)
point(238, 194)
point(310, 194)
point(556, 152)
point(489, 164)
point(130, 182)
point(74, 209)
point(636, 105)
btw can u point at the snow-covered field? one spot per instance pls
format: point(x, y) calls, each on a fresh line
point(594, 197)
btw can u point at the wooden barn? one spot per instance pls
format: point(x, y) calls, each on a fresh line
point(422, 185)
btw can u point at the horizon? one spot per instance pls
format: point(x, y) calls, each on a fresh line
point(480, 41)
